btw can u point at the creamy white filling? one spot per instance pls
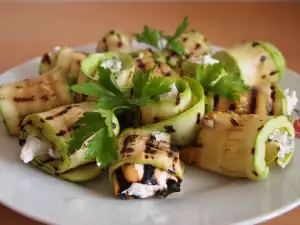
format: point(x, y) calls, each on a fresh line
point(206, 59)
point(146, 190)
point(171, 94)
point(115, 65)
point(285, 143)
point(161, 136)
point(291, 100)
point(35, 147)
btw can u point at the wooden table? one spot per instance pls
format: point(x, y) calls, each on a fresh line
point(28, 30)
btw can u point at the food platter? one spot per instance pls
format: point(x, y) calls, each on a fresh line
point(205, 198)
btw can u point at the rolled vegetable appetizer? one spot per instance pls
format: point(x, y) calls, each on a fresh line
point(114, 40)
point(162, 69)
point(179, 113)
point(148, 165)
point(34, 95)
point(66, 59)
point(195, 47)
point(45, 137)
point(258, 62)
point(121, 65)
point(246, 147)
point(267, 100)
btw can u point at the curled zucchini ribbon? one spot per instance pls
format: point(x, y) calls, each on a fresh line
point(148, 165)
point(179, 112)
point(52, 130)
point(251, 145)
point(38, 94)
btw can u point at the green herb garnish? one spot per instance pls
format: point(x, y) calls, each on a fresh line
point(152, 37)
point(97, 125)
point(214, 78)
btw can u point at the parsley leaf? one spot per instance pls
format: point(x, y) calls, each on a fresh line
point(107, 80)
point(214, 78)
point(149, 36)
point(181, 28)
point(85, 128)
point(103, 147)
point(97, 126)
point(177, 46)
point(90, 88)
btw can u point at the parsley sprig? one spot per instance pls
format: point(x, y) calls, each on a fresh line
point(96, 126)
point(216, 79)
point(153, 36)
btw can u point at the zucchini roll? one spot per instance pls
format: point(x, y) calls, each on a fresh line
point(148, 165)
point(267, 100)
point(34, 95)
point(45, 137)
point(65, 59)
point(195, 46)
point(258, 62)
point(178, 112)
point(147, 62)
point(121, 65)
point(247, 145)
point(115, 41)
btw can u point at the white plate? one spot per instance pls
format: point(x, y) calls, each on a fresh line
point(206, 198)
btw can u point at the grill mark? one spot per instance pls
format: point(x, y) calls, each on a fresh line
point(120, 44)
point(129, 139)
point(169, 129)
point(151, 140)
point(123, 183)
point(46, 59)
point(263, 76)
point(18, 87)
point(126, 150)
point(149, 150)
point(104, 41)
point(232, 107)
point(112, 32)
point(216, 102)
point(148, 177)
point(198, 120)
point(177, 102)
point(61, 113)
point(44, 98)
point(197, 46)
point(273, 73)
point(167, 74)
point(254, 44)
point(234, 122)
point(271, 104)
point(170, 154)
point(263, 58)
point(42, 120)
point(61, 133)
point(49, 118)
point(16, 99)
point(184, 39)
point(261, 127)
point(253, 103)
point(255, 173)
